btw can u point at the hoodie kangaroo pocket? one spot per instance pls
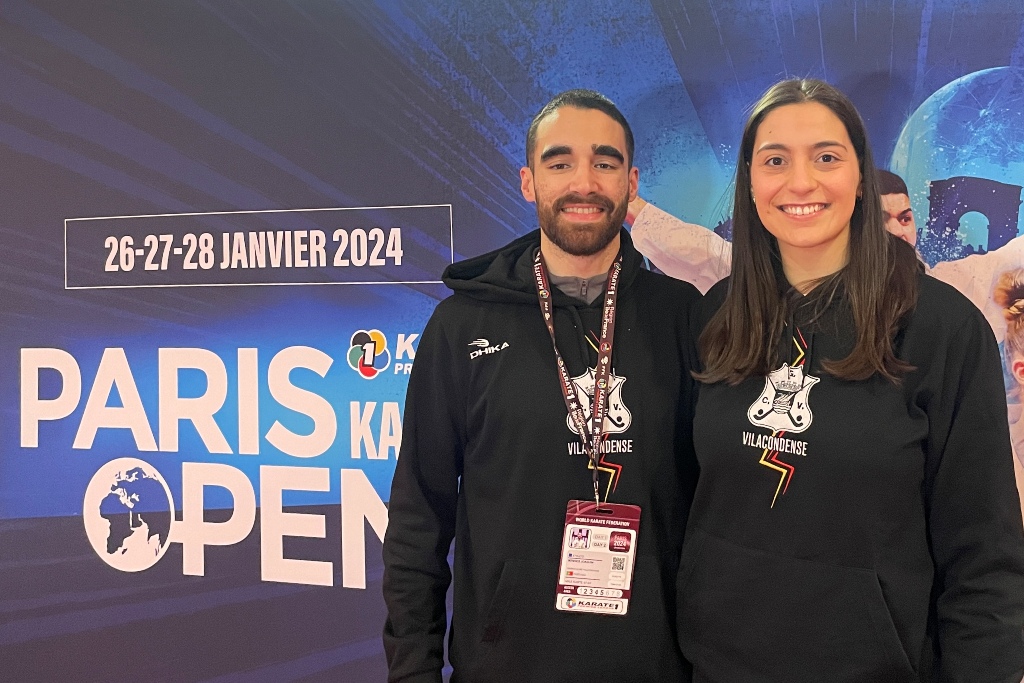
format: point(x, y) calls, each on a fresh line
point(493, 653)
point(524, 638)
point(749, 615)
point(495, 621)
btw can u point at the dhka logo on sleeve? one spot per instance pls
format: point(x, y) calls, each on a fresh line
point(484, 347)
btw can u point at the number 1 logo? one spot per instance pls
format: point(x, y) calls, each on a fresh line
point(368, 353)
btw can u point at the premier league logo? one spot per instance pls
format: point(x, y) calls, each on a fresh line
point(782, 405)
point(617, 418)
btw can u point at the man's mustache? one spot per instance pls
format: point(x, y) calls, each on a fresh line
point(576, 198)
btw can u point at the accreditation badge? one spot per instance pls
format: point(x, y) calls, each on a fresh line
point(598, 553)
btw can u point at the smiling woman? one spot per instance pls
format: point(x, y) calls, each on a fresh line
point(856, 486)
point(805, 171)
point(802, 219)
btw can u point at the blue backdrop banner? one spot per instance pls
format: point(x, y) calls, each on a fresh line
point(224, 225)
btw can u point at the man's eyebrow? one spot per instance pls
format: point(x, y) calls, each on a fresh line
point(906, 211)
point(556, 151)
point(608, 151)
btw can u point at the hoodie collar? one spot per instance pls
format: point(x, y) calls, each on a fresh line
point(506, 274)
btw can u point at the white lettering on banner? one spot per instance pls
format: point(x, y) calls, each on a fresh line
point(359, 504)
point(275, 524)
point(300, 249)
point(377, 432)
point(287, 247)
point(378, 439)
point(390, 433)
point(248, 402)
point(198, 410)
point(195, 533)
point(390, 430)
point(359, 421)
point(35, 408)
point(176, 251)
point(114, 372)
point(278, 246)
point(325, 423)
point(403, 348)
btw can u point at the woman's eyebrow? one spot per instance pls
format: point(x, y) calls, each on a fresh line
point(770, 146)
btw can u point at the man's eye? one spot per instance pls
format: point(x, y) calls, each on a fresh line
point(906, 220)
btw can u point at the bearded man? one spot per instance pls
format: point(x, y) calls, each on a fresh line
point(548, 433)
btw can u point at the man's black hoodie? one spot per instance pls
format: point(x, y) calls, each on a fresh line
point(488, 458)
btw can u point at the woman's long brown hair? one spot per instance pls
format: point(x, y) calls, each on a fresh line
point(879, 282)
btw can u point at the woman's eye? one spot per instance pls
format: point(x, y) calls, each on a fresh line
point(828, 158)
point(774, 161)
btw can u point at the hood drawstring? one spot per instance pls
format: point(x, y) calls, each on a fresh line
point(800, 342)
point(581, 334)
point(809, 362)
point(789, 335)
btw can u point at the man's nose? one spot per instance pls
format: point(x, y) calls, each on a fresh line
point(584, 180)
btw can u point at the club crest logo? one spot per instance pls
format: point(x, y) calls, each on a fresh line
point(617, 418)
point(783, 404)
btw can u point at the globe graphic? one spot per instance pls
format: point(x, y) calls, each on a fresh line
point(128, 513)
point(972, 127)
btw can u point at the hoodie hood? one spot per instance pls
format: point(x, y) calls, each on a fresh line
point(506, 274)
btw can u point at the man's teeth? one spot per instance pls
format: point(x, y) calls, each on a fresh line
point(803, 210)
point(582, 209)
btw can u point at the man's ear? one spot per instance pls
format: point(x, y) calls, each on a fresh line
point(634, 182)
point(526, 180)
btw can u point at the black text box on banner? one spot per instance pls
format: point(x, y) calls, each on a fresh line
point(372, 245)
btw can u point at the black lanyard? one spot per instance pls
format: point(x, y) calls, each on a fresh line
point(592, 436)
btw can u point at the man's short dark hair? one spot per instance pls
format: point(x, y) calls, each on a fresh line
point(890, 183)
point(578, 99)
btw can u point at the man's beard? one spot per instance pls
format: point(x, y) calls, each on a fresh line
point(582, 239)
